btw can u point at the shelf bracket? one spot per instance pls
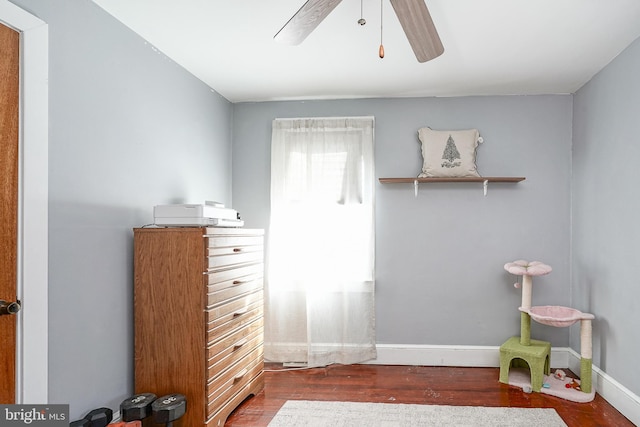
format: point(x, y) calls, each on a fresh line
point(415, 188)
point(485, 185)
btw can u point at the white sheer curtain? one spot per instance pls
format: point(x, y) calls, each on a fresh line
point(320, 279)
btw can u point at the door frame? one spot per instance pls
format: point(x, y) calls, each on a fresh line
point(32, 358)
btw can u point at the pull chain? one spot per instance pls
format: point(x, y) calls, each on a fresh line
point(381, 50)
point(361, 21)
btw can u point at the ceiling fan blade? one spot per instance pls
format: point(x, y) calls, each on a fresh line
point(419, 28)
point(305, 21)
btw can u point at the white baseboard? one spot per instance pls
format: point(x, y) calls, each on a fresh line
point(611, 390)
point(608, 388)
point(452, 355)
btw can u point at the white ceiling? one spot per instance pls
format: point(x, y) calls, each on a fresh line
point(492, 47)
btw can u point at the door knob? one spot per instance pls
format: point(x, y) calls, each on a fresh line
point(7, 307)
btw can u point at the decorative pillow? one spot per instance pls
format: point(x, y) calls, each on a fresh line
point(449, 153)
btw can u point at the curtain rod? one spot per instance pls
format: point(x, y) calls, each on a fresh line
point(324, 118)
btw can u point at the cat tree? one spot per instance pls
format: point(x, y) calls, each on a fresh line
point(536, 353)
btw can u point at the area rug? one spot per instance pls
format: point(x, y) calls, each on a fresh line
point(304, 413)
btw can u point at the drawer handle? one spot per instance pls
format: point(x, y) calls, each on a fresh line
point(237, 249)
point(240, 344)
point(240, 282)
point(241, 312)
point(240, 375)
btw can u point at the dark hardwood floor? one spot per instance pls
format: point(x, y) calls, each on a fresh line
point(410, 384)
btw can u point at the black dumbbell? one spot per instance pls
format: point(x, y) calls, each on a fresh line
point(100, 417)
point(169, 408)
point(137, 407)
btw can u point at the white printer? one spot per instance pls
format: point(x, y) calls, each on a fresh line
point(189, 215)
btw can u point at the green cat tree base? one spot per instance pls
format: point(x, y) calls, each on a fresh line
point(537, 356)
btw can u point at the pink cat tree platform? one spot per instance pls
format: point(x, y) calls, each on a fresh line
point(519, 353)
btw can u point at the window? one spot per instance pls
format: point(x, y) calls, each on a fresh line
point(320, 279)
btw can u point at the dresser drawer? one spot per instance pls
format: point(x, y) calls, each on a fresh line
point(232, 308)
point(253, 387)
point(226, 353)
point(215, 277)
point(232, 289)
point(234, 259)
point(219, 327)
point(233, 380)
point(234, 250)
point(234, 241)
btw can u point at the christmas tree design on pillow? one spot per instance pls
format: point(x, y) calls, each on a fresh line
point(450, 154)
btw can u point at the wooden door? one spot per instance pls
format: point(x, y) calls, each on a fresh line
point(9, 93)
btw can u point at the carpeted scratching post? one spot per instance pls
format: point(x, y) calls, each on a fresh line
point(586, 356)
point(525, 319)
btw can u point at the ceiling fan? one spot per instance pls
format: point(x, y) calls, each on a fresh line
point(412, 14)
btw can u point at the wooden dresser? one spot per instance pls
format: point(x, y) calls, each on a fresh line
point(198, 317)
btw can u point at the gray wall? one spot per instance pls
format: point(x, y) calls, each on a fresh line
point(606, 229)
point(129, 129)
point(440, 257)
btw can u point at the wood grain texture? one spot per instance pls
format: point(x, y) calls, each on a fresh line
point(198, 323)
point(169, 317)
point(410, 384)
point(305, 20)
point(419, 28)
point(9, 130)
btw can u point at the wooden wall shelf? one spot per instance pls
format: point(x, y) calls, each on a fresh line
point(485, 180)
point(463, 179)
